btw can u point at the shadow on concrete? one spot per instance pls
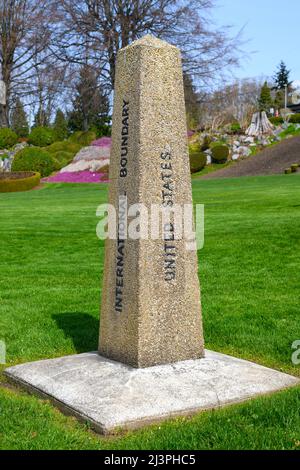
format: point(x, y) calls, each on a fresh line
point(82, 328)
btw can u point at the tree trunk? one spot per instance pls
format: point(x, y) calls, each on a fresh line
point(260, 125)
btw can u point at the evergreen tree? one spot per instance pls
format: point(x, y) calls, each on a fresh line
point(19, 121)
point(265, 101)
point(41, 119)
point(279, 101)
point(282, 77)
point(60, 126)
point(90, 105)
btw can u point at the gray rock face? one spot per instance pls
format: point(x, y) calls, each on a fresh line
point(7, 162)
point(244, 151)
point(92, 153)
point(85, 165)
point(249, 140)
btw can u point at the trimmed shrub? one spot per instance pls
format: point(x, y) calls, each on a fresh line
point(8, 138)
point(34, 159)
point(198, 159)
point(83, 138)
point(235, 128)
point(288, 171)
point(294, 167)
point(64, 146)
point(220, 154)
point(41, 137)
point(22, 181)
point(295, 118)
point(276, 120)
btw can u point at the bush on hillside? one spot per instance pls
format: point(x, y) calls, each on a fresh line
point(34, 159)
point(64, 146)
point(83, 138)
point(220, 154)
point(235, 128)
point(295, 118)
point(8, 138)
point(41, 137)
point(62, 159)
point(198, 159)
point(276, 120)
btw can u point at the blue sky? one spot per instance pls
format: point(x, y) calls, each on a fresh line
point(273, 30)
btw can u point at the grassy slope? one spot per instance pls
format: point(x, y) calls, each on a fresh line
point(51, 269)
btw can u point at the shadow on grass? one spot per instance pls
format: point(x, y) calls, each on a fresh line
point(82, 328)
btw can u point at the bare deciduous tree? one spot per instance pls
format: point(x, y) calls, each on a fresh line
point(108, 25)
point(24, 35)
point(237, 101)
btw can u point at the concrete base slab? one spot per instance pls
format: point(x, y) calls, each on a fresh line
point(111, 395)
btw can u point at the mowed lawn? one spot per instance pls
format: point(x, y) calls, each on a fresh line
point(50, 291)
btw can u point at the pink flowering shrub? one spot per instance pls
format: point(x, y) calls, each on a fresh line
point(103, 142)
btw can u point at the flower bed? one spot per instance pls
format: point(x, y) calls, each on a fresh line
point(77, 177)
point(102, 142)
point(18, 181)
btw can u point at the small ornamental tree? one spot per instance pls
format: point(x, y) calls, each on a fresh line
point(19, 123)
point(265, 101)
point(60, 126)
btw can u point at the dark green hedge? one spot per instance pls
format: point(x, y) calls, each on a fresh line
point(20, 184)
point(295, 119)
point(276, 120)
point(198, 159)
point(220, 154)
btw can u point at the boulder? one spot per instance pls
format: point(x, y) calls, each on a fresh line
point(92, 153)
point(84, 165)
point(208, 159)
point(244, 151)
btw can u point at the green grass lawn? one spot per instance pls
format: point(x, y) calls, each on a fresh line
point(50, 291)
point(211, 168)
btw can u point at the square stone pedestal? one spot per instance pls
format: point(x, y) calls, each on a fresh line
point(110, 395)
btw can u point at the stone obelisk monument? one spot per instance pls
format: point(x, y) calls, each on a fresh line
point(151, 311)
